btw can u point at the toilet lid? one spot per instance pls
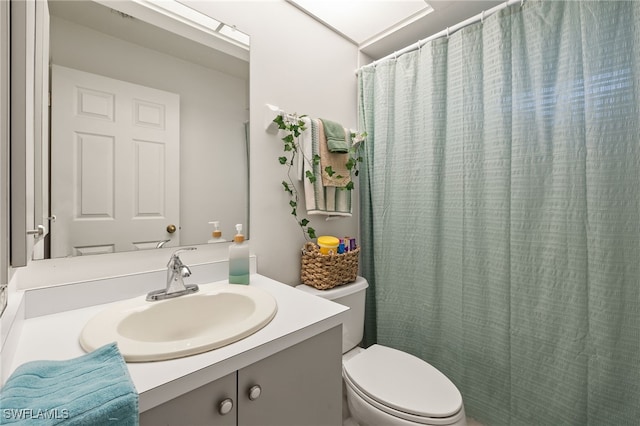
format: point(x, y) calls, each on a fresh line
point(403, 382)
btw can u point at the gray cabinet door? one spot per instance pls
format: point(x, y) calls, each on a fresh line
point(199, 407)
point(300, 386)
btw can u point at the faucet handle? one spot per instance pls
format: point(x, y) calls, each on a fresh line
point(185, 271)
point(184, 249)
point(174, 257)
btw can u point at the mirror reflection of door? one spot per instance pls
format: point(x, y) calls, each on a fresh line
point(115, 177)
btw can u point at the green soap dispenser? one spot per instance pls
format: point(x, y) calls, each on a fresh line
point(239, 259)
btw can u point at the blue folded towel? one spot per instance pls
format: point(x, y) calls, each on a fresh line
point(336, 140)
point(94, 389)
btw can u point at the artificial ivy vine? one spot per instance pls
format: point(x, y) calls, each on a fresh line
point(293, 126)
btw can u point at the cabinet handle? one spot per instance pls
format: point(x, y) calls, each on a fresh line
point(254, 392)
point(225, 406)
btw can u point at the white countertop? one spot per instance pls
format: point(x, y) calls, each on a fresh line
point(299, 317)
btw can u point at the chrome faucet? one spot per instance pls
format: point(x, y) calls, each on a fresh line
point(176, 271)
point(162, 243)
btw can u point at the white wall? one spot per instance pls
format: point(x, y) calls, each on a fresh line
point(213, 108)
point(300, 66)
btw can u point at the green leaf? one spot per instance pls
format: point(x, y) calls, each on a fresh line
point(329, 171)
point(349, 186)
point(310, 176)
point(316, 159)
point(311, 232)
point(288, 138)
point(304, 222)
point(287, 187)
point(283, 160)
point(293, 204)
point(350, 164)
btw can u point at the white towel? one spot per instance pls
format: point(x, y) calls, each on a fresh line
point(304, 145)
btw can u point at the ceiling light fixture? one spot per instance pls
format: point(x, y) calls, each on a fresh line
point(363, 21)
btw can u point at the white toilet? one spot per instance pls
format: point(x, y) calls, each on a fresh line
point(385, 386)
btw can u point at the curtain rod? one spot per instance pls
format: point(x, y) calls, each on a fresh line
point(449, 30)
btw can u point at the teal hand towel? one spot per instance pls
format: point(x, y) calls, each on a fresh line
point(336, 140)
point(93, 389)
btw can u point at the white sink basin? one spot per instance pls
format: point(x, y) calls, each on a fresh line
point(216, 316)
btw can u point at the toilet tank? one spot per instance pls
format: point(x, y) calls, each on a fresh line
point(353, 296)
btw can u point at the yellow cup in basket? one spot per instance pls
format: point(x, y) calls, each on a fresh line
point(328, 244)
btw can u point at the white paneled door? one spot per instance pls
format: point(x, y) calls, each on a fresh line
point(115, 164)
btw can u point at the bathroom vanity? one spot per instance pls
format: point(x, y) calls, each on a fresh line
point(296, 386)
point(288, 372)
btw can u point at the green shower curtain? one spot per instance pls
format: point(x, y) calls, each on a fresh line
point(500, 212)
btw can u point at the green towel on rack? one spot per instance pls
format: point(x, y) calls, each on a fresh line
point(335, 134)
point(93, 389)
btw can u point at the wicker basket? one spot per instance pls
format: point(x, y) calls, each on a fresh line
point(325, 271)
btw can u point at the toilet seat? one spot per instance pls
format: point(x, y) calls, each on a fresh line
point(403, 385)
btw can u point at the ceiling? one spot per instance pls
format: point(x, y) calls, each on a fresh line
point(381, 27)
point(377, 27)
point(209, 49)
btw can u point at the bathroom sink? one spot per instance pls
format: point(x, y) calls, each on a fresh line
point(219, 314)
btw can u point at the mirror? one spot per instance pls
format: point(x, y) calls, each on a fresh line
point(148, 127)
